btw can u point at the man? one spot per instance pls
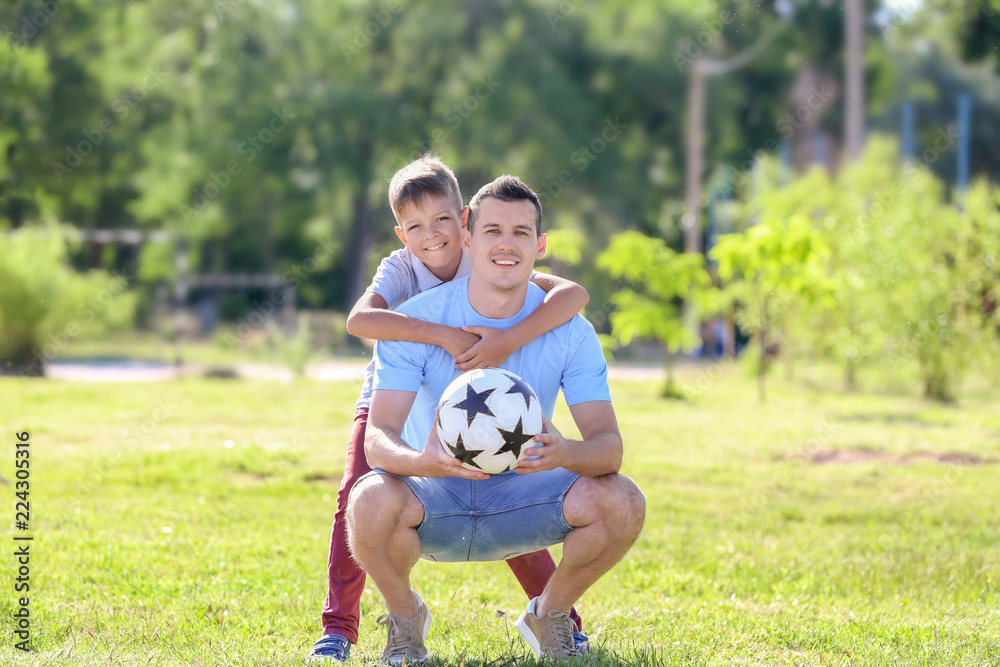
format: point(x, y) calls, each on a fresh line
point(420, 502)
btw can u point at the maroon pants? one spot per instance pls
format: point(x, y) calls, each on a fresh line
point(346, 579)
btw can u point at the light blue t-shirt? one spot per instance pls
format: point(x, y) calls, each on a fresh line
point(568, 357)
point(399, 277)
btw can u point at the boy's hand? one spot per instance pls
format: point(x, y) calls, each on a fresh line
point(493, 348)
point(551, 449)
point(436, 462)
point(459, 341)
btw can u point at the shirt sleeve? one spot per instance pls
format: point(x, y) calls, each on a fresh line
point(399, 365)
point(585, 378)
point(392, 279)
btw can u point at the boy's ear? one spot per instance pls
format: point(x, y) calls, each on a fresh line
point(543, 242)
point(400, 235)
point(465, 217)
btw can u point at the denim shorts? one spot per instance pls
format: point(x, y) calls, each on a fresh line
point(498, 518)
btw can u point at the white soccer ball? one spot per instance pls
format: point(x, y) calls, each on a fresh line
point(487, 419)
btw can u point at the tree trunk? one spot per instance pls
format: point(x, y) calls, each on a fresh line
point(670, 388)
point(694, 159)
point(854, 94)
point(761, 361)
point(851, 375)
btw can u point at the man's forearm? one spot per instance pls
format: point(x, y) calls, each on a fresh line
point(601, 454)
point(389, 452)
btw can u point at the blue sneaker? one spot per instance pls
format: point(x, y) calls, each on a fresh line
point(582, 642)
point(330, 648)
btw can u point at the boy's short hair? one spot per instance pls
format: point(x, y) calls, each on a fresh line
point(510, 189)
point(426, 176)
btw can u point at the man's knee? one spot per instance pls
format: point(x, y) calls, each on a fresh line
point(632, 504)
point(610, 498)
point(377, 499)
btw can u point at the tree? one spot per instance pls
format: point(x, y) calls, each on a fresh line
point(647, 300)
point(45, 304)
point(768, 270)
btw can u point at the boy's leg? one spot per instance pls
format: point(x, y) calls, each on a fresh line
point(346, 580)
point(533, 571)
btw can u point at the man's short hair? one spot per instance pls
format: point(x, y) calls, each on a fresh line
point(506, 188)
point(426, 176)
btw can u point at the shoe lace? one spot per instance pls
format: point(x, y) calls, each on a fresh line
point(402, 633)
point(562, 633)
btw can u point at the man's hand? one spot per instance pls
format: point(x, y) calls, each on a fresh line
point(493, 348)
point(458, 342)
point(552, 451)
point(436, 462)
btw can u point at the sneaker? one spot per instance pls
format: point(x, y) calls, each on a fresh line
point(406, 635)
point(551, 636)
point(330, 648)
point(581, 642)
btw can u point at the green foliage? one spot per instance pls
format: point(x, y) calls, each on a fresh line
point(44, 303)
point(873, 268)
point(653, 282)
point(771, 269)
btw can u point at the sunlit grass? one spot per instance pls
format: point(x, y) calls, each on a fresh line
point(187, 523)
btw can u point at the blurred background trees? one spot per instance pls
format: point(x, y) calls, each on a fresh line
point(257, 133)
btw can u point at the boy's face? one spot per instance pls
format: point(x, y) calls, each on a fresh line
point(432, 229)
point(504, 243)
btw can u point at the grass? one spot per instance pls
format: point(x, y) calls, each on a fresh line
point(187, 523)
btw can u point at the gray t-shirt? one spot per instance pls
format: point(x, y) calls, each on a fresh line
point(399, 277)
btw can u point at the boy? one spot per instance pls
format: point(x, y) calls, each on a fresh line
point(427, 203)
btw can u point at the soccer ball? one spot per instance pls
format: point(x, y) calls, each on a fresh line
point(487, 419)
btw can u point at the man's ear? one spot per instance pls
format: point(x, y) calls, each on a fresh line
point(466, 239)
point(464, 215)
point(400, 235)
point(543, 242)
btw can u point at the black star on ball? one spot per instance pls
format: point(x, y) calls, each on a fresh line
point(514, 440)
point(474, 403)
point(465, 455)
point(520, 387)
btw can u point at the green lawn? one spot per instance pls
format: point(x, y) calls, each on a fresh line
point(187, 523)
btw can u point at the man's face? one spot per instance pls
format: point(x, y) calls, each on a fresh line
point(432, 229)
point(504, 243)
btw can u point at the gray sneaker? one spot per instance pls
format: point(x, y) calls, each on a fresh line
point(550, 636)
point(406, 635)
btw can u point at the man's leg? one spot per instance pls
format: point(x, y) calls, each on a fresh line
point(607, 514)
point(346, 581)
point(533, 571)
point(382, 519)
